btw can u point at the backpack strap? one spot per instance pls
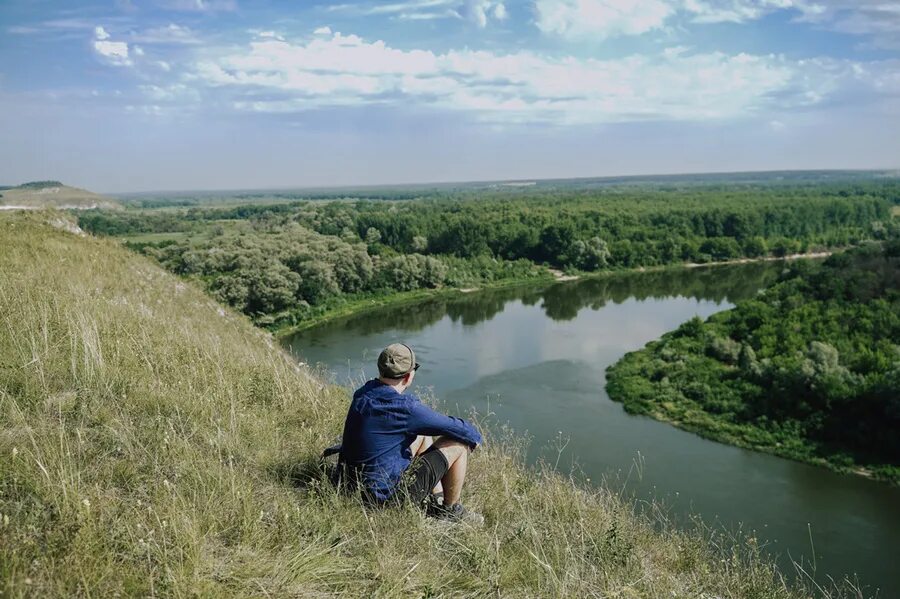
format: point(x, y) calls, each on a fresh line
point(330, 451)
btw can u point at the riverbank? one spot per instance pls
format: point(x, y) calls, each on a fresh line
point(788, 257)
point(803, 371)
point(354, 307)
point(155, 443)
point(706, 426)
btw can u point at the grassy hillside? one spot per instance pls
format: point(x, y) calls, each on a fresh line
point(53, 194)
point(154, 443)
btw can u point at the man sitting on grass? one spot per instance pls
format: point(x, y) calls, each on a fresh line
point(389, 444)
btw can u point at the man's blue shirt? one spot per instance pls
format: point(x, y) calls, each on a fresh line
point(381, 424)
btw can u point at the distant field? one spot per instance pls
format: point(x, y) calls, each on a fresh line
point(156, 237)
point(199, 231)
point(506, 188)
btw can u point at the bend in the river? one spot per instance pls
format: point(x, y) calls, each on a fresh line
point(535, 357)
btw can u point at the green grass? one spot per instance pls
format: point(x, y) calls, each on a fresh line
point(154, 443)
point(155, 237)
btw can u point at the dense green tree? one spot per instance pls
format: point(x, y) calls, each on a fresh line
point(373, 236)
point(590, 255)
point(413, 271)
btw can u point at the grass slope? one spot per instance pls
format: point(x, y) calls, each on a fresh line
point(154, 443)
point(53, 194)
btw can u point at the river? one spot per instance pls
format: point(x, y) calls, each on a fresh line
point(535, 357)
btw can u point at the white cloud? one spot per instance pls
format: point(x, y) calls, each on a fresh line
point(55, 26)
point(168, 34)
point(346, 70)
point(735, 11)
point(114, 53)
point(600, 19)
point(479, 12)
point(201, 5)
point(428, 16)
point(169, 93)
point(22, 30)
point(879, 19)
point(326, 30)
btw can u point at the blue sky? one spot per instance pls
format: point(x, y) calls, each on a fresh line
point(131, 95)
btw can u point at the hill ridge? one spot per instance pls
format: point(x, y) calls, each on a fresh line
point(53, 194)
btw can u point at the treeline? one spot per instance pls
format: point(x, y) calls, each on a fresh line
point(614, 230)
point(282, 275)
point(39, 185)
point(810, 369)
point(283, 263)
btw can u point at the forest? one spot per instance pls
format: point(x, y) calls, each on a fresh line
point(285, 263)
point(809, 369)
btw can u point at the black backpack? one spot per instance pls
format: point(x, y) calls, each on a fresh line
point(335, 471)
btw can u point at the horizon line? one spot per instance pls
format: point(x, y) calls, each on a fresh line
point(447, 182)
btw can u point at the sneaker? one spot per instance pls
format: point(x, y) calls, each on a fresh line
point(457, 513)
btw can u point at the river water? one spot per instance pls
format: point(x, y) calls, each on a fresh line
point(535, 358)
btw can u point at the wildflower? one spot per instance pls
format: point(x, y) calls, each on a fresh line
point(15, 451)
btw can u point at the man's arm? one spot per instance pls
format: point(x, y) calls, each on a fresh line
point(425, 421)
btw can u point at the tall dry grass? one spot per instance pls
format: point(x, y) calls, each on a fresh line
point(156, 444)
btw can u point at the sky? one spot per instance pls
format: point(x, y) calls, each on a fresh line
point(135, 95)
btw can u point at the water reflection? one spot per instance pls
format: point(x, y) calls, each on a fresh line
point(563, 301)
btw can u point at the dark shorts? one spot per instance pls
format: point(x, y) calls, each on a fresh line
point(422, 475)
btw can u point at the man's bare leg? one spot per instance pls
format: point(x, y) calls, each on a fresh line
point(457, 455)
point(420, 446)
point(421, 443)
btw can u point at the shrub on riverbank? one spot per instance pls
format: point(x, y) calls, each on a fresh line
point(154, 443)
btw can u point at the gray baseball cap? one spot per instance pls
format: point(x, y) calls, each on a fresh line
point(396, 360)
